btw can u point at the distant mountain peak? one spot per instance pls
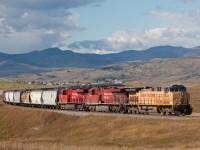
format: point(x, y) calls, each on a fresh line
point(196, 48)
point(57, 58)
point(52, 51)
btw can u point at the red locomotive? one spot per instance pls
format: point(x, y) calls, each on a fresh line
point(105, 98)
point(72, 98)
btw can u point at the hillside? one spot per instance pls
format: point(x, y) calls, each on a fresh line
point(185, 69)
point(33, 128)
point(49, 130)
point(56, 58)
point(49, 59)
point(11, 68)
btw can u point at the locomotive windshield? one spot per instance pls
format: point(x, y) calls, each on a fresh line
point(176, 88)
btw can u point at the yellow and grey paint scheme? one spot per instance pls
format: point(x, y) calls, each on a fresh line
point(171, 99)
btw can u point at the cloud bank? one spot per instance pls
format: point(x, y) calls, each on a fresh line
point(25, 24)
point(178, 29)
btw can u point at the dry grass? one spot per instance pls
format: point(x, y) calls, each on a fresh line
point(38, 129)
point(193, 89)
point(169, 69)
point(48, 146)
point(12, 85)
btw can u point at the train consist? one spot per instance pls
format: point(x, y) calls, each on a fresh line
point(169, 100)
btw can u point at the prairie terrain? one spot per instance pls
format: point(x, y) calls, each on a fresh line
point(39, 129)
point(25, 128)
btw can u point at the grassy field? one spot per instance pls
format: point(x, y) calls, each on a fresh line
point(193, 89)
point(11, 85)
point(39, 129)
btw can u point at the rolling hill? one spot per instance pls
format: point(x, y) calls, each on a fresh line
point(49, 59)
point(157, 70)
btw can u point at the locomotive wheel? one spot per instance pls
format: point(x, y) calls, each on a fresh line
point(169, 113)
point(124, 110)
point(159, 110)
point(177, 113)
point(136, 112)
point(163, 112)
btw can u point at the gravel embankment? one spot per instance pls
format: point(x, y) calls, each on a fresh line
point(84, 113)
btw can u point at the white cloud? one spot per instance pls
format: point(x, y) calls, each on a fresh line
point(124, 39)
point(178, 29)
point(17, 42)
point(38, 24)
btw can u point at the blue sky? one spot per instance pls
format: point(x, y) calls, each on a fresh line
point(98, 26)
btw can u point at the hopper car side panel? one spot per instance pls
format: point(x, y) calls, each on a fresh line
point(25, 97)
point(6, 98)
point(49, 97)
point(11, 96)
point(36, 97)
point(17, 97)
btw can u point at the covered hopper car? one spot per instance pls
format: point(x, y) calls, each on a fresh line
point(168, 100)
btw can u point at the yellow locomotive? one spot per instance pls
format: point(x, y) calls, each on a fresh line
point(169, 100)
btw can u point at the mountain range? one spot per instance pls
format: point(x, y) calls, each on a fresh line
point(54, 58)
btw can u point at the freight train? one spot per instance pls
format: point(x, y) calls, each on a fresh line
point(171, 100)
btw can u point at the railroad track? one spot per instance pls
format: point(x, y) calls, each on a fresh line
point(86, 113)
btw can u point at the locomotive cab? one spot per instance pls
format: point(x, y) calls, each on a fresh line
point(180, 94)
point(180, 99)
